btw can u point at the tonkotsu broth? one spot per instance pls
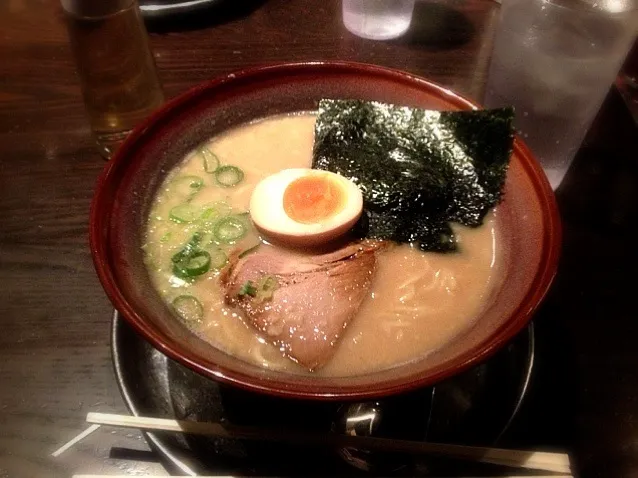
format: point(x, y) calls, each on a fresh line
point(417, 303)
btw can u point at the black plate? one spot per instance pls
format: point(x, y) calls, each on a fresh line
point(474, 408)
point(178, 15)
point(163, 8)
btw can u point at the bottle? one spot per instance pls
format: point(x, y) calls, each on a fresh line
point(115, 66)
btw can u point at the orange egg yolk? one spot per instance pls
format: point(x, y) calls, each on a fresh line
point(312, 199)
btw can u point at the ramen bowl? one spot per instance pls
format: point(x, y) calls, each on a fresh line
point(528, 224)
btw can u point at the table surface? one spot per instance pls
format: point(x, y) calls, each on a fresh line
point(55, 363)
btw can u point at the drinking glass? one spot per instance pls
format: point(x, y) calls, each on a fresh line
point(115, 65)
point(554, 61)
point(377, 19)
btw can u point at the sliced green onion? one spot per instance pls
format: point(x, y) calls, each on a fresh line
point(218, 258)
point(215, 210)
point(186, 212)
point(189, 248)
point(229, 230)
point(262, 291)
point(211, 161)
point(188, 308)
point(266, 287)
point(228, 176)
point(166, 237)
point(248, 288)
point(194, 265)
point(187, 186)
point(207, 239)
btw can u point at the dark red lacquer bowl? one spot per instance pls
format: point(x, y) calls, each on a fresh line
point(528, 222)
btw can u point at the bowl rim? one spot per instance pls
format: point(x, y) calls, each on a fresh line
point(551, 245)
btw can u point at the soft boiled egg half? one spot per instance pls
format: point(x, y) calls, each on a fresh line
point(305, 206)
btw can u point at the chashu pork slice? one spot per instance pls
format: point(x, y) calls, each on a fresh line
point(315, 296)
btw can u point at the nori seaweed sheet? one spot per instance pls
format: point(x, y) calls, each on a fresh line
point(418, 169)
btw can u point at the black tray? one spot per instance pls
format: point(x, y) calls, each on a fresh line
point(474, 408)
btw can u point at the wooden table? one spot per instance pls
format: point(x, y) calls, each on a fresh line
point(55, 363)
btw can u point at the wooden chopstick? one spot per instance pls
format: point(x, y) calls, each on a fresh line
point(225, 476)
point(545, 461)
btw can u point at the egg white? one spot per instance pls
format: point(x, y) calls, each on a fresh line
point(270, 218)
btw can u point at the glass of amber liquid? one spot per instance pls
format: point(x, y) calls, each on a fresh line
point(115, 65)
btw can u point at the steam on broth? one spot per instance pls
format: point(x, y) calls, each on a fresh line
point(415, 303)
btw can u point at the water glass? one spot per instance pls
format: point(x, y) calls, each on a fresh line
point(554, 61)
point(377, 19)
